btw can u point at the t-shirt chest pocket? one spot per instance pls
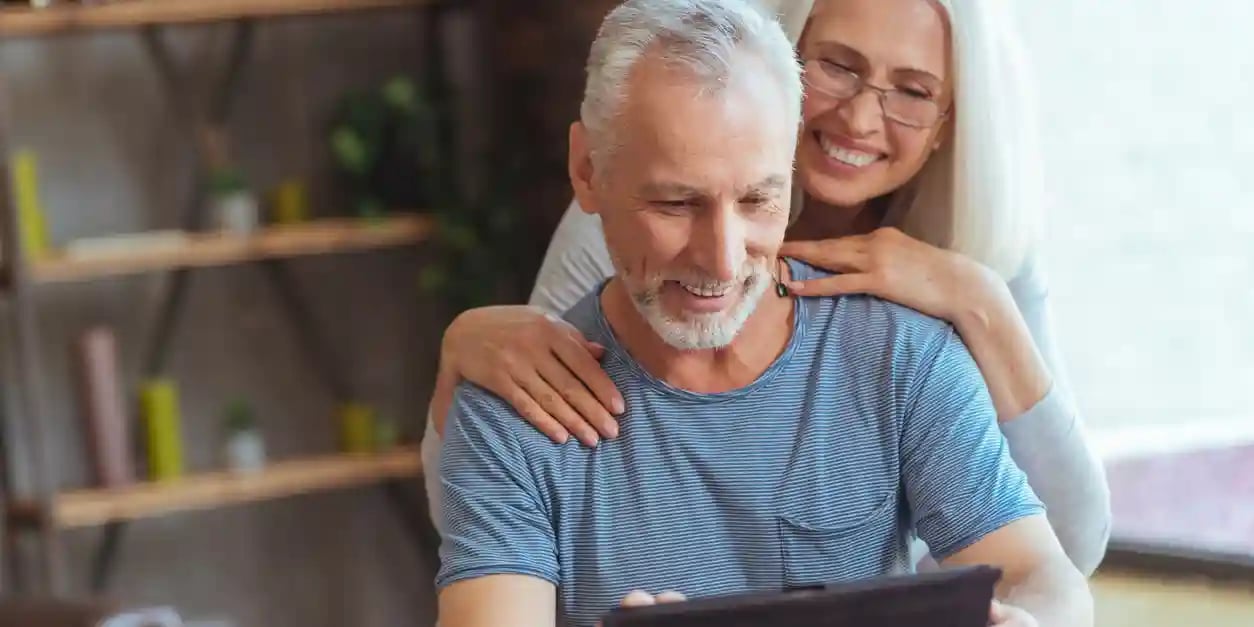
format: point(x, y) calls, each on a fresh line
point(840, 517)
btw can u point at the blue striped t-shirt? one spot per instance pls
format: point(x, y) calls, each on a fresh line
point(872, 425)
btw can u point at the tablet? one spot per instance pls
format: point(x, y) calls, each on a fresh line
point(957, 597)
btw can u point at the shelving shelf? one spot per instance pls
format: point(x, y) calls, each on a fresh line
point(41, 511)
point(319, 237)
point(65, 18)
point(95, 507)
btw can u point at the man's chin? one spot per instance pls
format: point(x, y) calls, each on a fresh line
point(697, 332)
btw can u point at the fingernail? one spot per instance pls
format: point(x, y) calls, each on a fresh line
point(617, 407)
point(612, 431)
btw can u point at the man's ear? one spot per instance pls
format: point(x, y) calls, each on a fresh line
point(579, 166)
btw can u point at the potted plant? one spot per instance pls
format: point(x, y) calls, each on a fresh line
point(235, 208)
point(244, 448)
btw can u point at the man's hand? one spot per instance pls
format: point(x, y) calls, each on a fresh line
point(640, 598)
point(1002, 615)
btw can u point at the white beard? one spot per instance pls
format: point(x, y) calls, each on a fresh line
point(704, 331)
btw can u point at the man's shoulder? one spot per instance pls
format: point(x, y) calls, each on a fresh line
point(864, 318)
point(482, 415)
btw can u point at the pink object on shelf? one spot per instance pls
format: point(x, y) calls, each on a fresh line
point(100, 401)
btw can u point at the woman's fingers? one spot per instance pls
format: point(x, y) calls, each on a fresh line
point(554, 405)
point(577, 396)
point(530, 410)
point(670, 596)
point(838, 255)
point(583, 362)
point(860, 283)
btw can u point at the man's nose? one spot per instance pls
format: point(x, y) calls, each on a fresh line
point(720, 249)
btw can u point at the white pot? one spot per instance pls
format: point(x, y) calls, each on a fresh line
point(245, 452)
point(236, 212)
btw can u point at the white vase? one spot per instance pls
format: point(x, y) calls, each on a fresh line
point(236, 212)
point(245, 451)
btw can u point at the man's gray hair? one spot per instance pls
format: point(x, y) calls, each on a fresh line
point(701, 37)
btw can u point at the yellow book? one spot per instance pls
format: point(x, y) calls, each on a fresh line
point(30, 213)
point(357, 428)
point(158, 399)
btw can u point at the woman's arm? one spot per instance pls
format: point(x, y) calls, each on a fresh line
point(1012, 339)
point(575, 263)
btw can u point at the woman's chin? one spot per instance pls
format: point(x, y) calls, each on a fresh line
point(838, 193)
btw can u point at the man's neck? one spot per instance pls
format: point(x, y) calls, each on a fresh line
point(759, 343)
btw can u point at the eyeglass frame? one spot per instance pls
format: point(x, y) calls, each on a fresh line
point(881, 95)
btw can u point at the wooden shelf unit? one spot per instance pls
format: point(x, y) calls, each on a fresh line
point(319, 237)
point(67, 17)
point(39, 509)
point(94, 507)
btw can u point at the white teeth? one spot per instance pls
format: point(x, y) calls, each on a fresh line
point(855, 158)
point(707, 291)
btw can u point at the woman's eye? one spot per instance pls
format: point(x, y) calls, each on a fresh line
point(915, 92)
point(833, 66)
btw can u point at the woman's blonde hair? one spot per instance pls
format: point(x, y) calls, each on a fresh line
point(980, 193)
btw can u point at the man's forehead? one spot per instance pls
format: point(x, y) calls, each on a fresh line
point(666, 186)
point(675, 135)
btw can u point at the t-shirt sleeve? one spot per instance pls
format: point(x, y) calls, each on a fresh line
point(493, 521)
point(960, 481)
point(576, 262)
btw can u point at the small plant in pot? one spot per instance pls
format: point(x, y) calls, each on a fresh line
point(234, 206)
point(244, 448)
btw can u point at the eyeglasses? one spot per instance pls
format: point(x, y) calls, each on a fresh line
point(903, 107)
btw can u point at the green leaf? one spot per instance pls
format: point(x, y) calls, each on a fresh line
point(401, 93)
point(433, 278)
point(350, 151)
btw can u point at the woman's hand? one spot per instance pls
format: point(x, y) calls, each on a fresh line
point(894, 266)
point(943, 284)
point(534, 361)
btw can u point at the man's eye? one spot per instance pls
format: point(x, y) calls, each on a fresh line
point(758, 203)
point(671, 204)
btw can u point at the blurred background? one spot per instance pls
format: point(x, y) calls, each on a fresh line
point(234, 232)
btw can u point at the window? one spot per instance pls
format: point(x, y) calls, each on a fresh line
point(1150, 250)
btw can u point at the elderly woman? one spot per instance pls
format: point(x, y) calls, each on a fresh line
point(918, 180)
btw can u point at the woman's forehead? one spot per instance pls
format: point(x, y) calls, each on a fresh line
point(894, 33)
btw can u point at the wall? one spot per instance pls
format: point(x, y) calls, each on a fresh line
point(113, 160)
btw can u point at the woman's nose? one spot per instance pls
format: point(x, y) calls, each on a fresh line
point(863, 113)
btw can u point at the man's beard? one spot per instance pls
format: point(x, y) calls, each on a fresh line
point(703, 331)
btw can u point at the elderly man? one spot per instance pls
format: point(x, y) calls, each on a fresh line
point(846, 425)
